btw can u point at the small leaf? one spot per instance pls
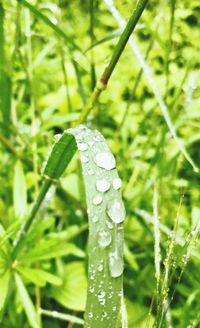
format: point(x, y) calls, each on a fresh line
point(51, 249)
point(60, 156)
point(39, 277)
point(72, 294)
point(4, 281)
point(26, 302)
point(19, 191)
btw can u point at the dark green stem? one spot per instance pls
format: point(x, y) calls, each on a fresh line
point(103, 81)
point(25, 227)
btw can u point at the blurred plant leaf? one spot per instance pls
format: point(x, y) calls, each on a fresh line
point(38, 277)
point(4, 282)
point(72, 294)
point(26, 302)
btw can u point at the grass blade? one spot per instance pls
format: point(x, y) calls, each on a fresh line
point(106, 214)
point(62, 316)
point(26, 302)
point(54, 27)
point(5, 81)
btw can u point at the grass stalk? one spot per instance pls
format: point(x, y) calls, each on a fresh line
point(103, 81)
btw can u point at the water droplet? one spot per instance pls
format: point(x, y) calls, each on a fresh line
point(57, 137)
point(117, 183)
point(116, 210)
point(104, 238)
point(95, 218)
point(101, 297)
point(90, 172)
point(97, 199)
point(109, 224)
point(102, 185)
point(81, 127)
point(115, 264)
point(105, 160)
point(82, 146)
point(100, 267)
point(91, 289)
point(97, 138)
point(84, 159)
point(90, 315)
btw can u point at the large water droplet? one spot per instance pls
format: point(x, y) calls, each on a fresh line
point(97, 199)
point(105, 160)
point(116, 210)
point(117, 183)
point(84, 159)
point(104, 238)
point(102, 185)
point(115, 264)
point(82, 146)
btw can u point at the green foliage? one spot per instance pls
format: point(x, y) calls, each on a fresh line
point(50, 55)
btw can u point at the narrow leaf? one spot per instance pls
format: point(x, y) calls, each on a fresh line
point(4, 281)
point(106, 214)
point(39, 277)
point(26, 302)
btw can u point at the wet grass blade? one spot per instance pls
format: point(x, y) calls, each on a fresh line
point(54, 27)
point(106, 214)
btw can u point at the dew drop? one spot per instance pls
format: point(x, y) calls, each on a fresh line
point(115, 264)
point(90, 315)
point(97, 199)
point(109, 224)
point(116, 210)
point(95, 218)
point(105, 160)
point(84, 159)
point(82, 146)
point(90, 172)
point(101, 297)
point(100, 267)
point(117, 183)
point(104, 238)
point(102, 185)
point(97, 138)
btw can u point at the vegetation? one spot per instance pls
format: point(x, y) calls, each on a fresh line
point(65, 63)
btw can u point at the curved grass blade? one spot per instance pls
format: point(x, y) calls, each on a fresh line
point(106, 214)
point(54, 27)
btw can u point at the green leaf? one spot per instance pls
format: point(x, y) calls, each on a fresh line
point(49, 249)
point(4, 282)
point(19, 191)
point(72, 293)
point(26, 302)
point(61, 154)
point(106, 214)
point(38, 277)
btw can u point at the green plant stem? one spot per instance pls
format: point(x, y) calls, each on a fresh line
point(103, 81)
point(25, 227)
